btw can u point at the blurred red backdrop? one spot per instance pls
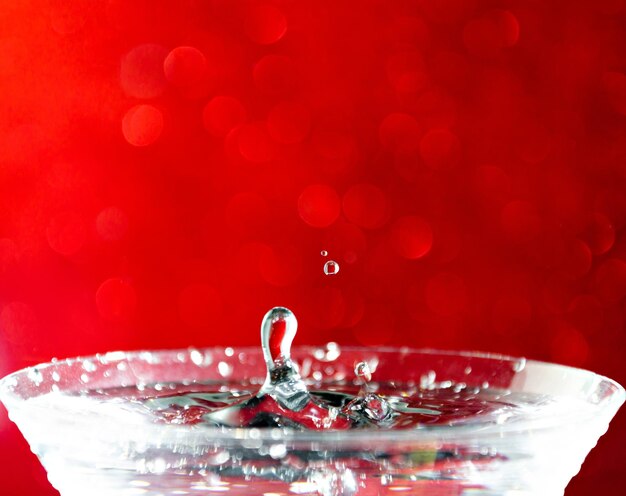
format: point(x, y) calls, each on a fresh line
point(171, 170)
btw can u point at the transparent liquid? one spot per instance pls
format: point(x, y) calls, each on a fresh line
point(270, 467)
point(411, 407)
point(408, 422)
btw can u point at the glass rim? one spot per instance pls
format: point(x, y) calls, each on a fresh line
point(424, 435)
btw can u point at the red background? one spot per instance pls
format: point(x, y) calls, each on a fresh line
point(171, 170)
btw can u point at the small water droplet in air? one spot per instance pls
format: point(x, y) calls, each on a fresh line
point(362, 371)
point(331, 268)
point(324, 253)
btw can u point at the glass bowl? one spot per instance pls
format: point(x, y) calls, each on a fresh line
point(77, 418)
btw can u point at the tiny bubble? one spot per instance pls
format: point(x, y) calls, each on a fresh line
point(324, 253)
point(331, 268)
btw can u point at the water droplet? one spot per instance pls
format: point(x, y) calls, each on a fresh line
point(89, 366)
point(36, 376)
point(331, 268)
point(156, 466)
point(329, 353)
point(385, 479)
point(427, 381)
point(219, 458)
point(55, 376)
point(376, 408)
point(363, 373)
point(196, 357)
point(278, 451)
point(224, 369)
point(324, 253)
point(519, 365)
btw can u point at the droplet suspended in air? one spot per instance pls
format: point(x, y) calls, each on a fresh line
point(331, 268)
point(363, 372)
point(324, 253)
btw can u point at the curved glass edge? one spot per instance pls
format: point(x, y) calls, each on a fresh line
point(615, 397)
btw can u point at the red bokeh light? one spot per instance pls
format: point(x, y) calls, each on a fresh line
point(142, 125)
point(187, 69)
point(412, 237)
point(366, 205)
point(265, 24)
point(116, 299)
point(222, 114)
point(319, 205)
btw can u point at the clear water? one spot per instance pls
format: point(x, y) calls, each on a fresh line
point(295, 434)
point(407, 407)
point(331, 268)
point(270, 467)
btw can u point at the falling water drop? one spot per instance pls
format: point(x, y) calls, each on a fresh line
point(331, 268)
point(363, 372)
point(324, 253)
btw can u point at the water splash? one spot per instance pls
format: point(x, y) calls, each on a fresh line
point(283, 381)
point(368, 404)
point(362, 372)
point(283, 400)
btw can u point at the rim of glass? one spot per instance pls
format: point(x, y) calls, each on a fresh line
point(427, 434)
